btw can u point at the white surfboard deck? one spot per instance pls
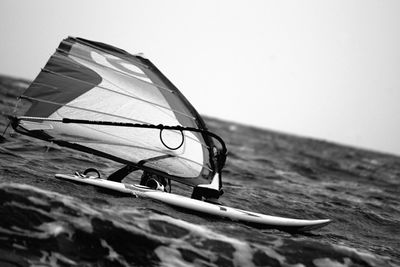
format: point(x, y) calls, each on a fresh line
point(247, 217)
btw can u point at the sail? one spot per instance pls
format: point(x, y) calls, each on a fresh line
point(91, 81)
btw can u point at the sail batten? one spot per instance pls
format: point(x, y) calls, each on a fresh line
point(99, 99)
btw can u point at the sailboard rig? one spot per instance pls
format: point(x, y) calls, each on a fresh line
point(99, 99)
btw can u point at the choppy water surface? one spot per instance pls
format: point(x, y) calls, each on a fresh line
point(50, 222)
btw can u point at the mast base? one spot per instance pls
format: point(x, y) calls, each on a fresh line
point(209, 192)
point(206, 194)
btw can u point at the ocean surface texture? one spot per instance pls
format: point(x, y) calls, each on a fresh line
point(49, 222)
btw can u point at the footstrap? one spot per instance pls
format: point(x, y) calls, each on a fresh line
point(88, 171)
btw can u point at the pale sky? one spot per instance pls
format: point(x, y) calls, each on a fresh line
point(323, 69)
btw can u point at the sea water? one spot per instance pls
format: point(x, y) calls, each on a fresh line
point(49, 222)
